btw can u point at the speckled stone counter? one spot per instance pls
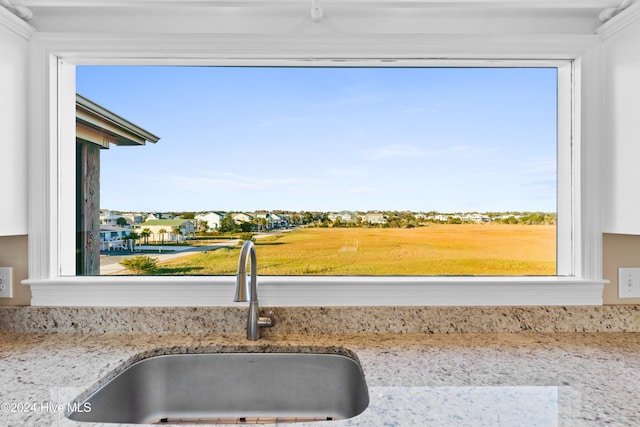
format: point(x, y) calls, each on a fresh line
point(533, 379)
point(321, 320)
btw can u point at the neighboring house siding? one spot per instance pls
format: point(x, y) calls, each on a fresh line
point(186, 227)
point(213, 219)
point(375, 218)
point(273, 220)
point(109, 219)
point(242, 217)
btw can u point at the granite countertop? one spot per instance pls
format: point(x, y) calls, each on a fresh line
point(528, 379)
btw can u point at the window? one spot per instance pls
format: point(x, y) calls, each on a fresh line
point(343, 171)
point(53, 201)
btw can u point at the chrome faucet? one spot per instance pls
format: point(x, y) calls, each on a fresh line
point(248, 291)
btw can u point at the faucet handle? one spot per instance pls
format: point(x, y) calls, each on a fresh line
point(267, 321)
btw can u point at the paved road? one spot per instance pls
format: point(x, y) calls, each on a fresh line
point(109, 263)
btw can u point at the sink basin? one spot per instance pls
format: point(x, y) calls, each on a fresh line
point(229, 388)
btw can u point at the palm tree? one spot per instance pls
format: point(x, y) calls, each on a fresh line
point(162, 232)
point(146, 232)
point(133, 236)
point(178, 233)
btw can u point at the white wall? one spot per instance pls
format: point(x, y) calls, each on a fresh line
point(621, 148)
point(13, 124)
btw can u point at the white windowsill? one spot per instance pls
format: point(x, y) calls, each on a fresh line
point(119, 291)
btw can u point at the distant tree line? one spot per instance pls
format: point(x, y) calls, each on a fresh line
point(391, 219)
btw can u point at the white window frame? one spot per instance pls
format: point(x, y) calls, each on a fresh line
point(52, 170)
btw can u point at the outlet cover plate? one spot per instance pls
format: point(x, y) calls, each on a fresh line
point(629, 282)
point(6, 284)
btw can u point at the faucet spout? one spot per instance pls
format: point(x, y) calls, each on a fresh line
point(247, 291)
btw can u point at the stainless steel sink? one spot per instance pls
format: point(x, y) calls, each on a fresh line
point(229, 387)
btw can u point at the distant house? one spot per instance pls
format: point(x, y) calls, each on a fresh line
point(114, 238)
point(241, 217)
point(344, 216)
point(279, 221)
point(109, 219)
point(374, 218)
point(476, 217)
point(158, 215)
point(212, 218)
point(186, 227)
point(273, 220)
point(133, 218)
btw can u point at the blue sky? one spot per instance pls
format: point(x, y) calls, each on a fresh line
point(330, 139)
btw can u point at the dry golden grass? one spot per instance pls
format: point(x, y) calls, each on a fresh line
point(448, 249)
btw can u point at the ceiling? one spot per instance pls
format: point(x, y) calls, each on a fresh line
point(341, 16)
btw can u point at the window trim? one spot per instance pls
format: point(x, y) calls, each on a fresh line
point(53, 91)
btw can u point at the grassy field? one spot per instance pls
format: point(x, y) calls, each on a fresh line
point(465, 249)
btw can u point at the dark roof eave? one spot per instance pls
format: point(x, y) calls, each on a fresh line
point(109, 116)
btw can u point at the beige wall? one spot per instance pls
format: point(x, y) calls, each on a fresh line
point(618, 250)
point(13, 253)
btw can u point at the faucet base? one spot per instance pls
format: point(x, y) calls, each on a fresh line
point(255, 321)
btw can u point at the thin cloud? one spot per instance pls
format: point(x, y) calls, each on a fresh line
point(270, 122)
point(361, 190)
point(231, 181)
point(346, 172)
point(541, 165)
point(349, 100)
point(414, 151)
point(397, 151)
point(418, 111)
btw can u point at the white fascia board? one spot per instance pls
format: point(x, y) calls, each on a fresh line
point(89, 109)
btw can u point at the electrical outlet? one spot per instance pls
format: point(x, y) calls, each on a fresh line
point(6, 285)
point(629, 282)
